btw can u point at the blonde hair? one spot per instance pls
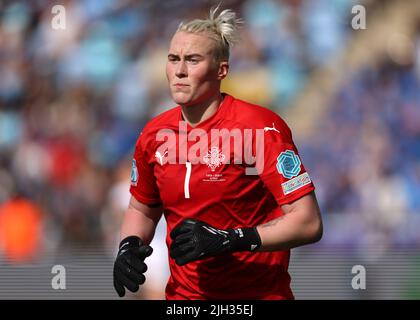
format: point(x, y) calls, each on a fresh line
point(223, 29)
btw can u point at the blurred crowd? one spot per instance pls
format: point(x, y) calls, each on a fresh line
point(365, 155)
point(73, 102)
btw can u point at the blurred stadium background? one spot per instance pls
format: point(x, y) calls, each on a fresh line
point(73, 101)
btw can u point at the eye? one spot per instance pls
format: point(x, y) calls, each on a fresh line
point(172, 59)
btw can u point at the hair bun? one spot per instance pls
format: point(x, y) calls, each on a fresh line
point(222, 28)
point(227, 25)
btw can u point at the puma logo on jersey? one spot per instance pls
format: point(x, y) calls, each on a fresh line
point(271, 128)
point(159, 156)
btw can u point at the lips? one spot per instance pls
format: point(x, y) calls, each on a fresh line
point(179, 87)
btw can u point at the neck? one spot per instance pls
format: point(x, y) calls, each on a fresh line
point(197, 113)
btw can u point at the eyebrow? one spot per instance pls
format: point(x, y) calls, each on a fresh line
point(187, 56)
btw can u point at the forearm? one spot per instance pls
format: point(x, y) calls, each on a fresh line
point(137, 223)
point(301, 224)
point(288, 232)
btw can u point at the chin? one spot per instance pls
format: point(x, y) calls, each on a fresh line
point(181, 99)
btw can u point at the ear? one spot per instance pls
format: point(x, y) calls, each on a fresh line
point(223, 70)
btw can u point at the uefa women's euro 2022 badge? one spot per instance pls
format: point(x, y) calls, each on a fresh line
point(288, 164)
point(134, 173)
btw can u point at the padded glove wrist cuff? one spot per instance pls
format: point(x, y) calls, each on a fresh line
point(130, 242)
point(244, 239)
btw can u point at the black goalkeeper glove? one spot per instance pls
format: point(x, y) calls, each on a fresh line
point(129, 265)
point(195, 239)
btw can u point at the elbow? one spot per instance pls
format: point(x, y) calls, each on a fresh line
point(311, 221)
point(315, 231)
point(318, 232)
point(312, 229)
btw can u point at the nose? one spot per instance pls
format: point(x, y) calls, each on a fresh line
point(181, 69)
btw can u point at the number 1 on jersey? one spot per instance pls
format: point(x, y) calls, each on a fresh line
point(187, 180)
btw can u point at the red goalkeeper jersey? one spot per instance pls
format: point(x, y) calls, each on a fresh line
point(234, 169)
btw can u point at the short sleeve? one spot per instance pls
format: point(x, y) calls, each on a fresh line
point(283, 172)
point(143, 182)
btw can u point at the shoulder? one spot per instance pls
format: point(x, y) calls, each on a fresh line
point(255, 116)
point(164, 120)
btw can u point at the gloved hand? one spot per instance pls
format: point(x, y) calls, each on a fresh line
point(195, 239)
point(129, 265)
